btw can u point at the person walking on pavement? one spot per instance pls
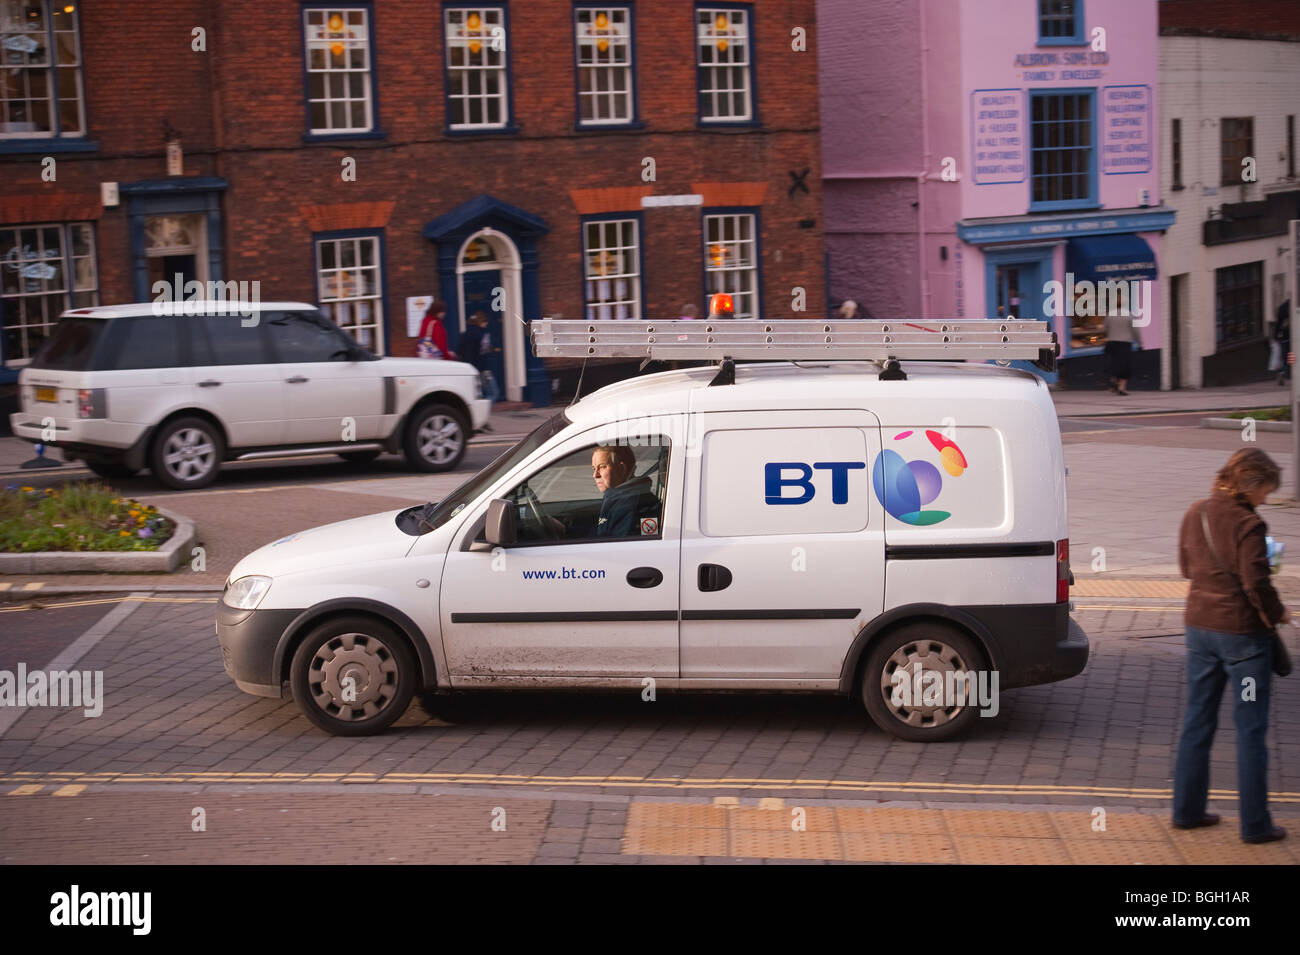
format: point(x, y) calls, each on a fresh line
point(1231, 610)
point(475, 347)
point(1121, 337)
point(433, 335)
point(1282, 339)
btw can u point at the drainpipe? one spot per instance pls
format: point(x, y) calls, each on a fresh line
point(925, 165)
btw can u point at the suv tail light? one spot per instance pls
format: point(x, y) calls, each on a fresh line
point(91, 403)
point(1062, 571)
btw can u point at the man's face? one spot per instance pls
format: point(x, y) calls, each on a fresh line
point(605, 472)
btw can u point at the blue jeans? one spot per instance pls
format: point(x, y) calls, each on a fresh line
point(1214, 660)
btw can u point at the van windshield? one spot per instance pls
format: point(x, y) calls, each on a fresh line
point(435, 515)
point(71, 346)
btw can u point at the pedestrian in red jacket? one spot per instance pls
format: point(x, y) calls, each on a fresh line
point(433, 335)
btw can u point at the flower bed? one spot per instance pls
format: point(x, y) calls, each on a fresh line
point(86, 516)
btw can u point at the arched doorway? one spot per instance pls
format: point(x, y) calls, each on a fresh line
point(488, 280)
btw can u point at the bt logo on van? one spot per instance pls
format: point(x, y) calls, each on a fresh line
point(903, 487)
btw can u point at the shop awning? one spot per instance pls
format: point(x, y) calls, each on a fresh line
point(1114, 258)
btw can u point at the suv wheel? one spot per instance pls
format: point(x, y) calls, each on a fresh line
point(353, 676)
point(436, 437)
point(187, 453)
point(892, 701)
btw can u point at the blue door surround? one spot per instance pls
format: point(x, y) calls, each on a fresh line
point(1035, 268)
point(451, 230)
point(170, 197)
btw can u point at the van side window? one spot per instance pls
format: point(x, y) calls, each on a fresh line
point(599, 492)
point(143, 342)
point(225, 340)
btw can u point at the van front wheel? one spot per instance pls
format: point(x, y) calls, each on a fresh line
point(353, 676)
point(904, 699)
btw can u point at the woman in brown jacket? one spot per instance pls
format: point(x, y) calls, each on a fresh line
point(1231, 608)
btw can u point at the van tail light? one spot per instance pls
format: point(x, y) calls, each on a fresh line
point(1062, 571)
point(91, 403)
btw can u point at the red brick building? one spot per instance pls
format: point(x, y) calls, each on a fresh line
point(550, 157)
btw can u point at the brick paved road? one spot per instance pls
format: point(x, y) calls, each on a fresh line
point(177, 732)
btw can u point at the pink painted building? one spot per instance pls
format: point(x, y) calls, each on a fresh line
point(974, 152)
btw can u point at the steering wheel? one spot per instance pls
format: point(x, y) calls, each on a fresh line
point(535, 506)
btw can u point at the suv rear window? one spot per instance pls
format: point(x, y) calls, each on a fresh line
point(72, 345)
point(143, 342)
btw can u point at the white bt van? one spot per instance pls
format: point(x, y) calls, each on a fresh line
point(896, 533)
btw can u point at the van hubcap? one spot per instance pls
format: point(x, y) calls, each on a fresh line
point(439, 438)
point(922, 657)
point(188, 454)
point(353, 676)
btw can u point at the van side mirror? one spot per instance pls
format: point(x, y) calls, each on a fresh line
point(500, 529)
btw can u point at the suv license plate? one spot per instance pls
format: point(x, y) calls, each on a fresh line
point(46, 394)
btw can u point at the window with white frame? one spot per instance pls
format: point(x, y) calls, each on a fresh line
point(477, 96)
point(722, 57)
point(338, 70)
point(612, 252)
point(44, 270)
point(349, 289)
point(604, 42)
point(41, 93)
point(731, 260)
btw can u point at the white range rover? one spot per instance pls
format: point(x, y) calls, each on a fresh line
point(123, 388)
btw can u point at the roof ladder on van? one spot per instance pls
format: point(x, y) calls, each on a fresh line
point(799, 340)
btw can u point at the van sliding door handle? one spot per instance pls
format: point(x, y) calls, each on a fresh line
point(713, 577)
point(645, 577)
point(210, 383)
point(297, 380)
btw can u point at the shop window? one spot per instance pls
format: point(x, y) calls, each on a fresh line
point(44, 270)
point(41, 86)
point(604, 49)
point(339, 81)
point(1238, 303)
point(1063, 155)
point(1060, 22)
point(1236, 142)
point(349, 287)
point(731, 259)
point(724, 64)
point(478, 95)
point(612, 282)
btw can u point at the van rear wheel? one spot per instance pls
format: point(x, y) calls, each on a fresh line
point(903, 701)
point(353, 676)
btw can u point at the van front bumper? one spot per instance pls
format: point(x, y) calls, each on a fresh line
point(249, 639)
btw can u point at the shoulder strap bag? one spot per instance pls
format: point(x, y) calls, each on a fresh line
point(1281, 659)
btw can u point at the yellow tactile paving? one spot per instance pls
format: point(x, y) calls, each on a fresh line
point(1119, 852)
point(814, 818)
point(771, 844)
point(677, 841)
point(1102, 587)
point(1002, 850)
point(973, 836)
point(897, 847)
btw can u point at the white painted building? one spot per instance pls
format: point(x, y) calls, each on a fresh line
point(1229, 91)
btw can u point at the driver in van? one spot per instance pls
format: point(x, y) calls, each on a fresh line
point(611, 466)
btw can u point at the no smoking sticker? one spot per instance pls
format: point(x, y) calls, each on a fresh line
point(649, 526)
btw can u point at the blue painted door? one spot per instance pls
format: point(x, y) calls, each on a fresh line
point(480, 290)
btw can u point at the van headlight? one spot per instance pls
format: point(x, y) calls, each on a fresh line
point(246, 592)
